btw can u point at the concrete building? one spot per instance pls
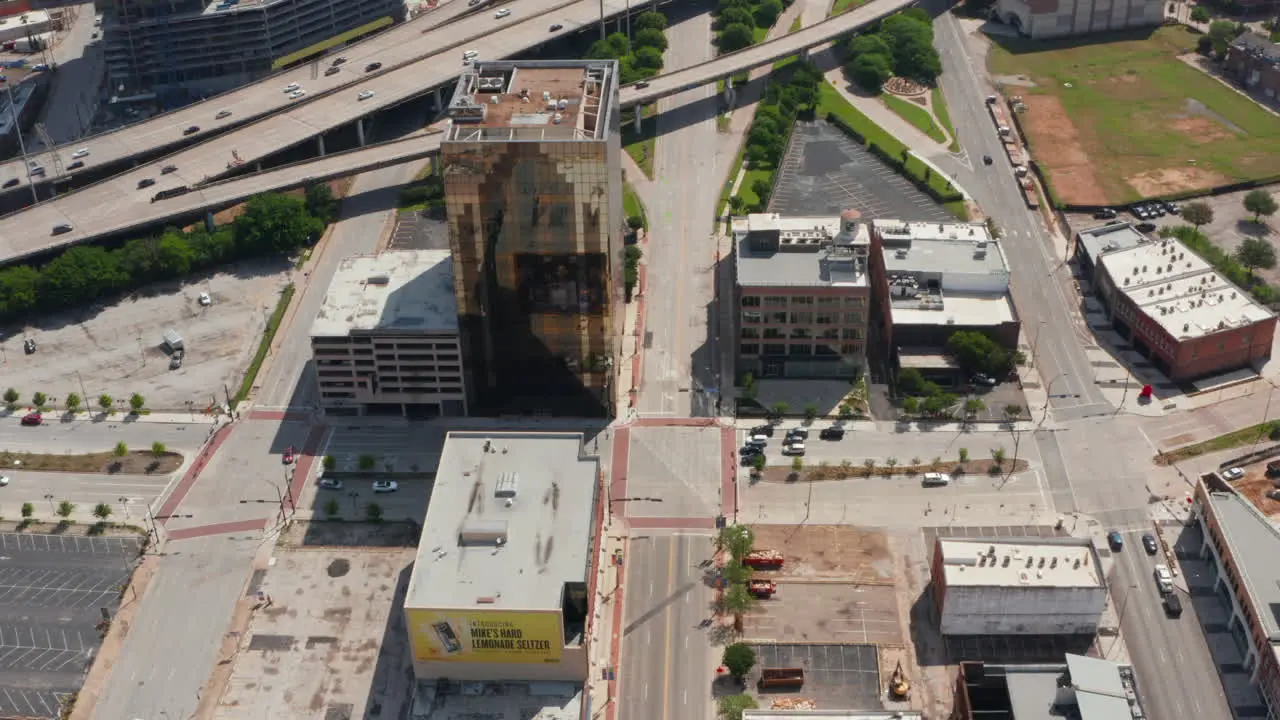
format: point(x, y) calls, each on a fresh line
point(1085, 688)
point(185, 49)
point(501, 589)
point(1179, 312)
point(1243, 544)
point(1092, 243)
point(533, 194)
point(802, 293)
point(385, 341)
point(29, 24)
point(1044, 19)
point(1035, 586)
point(1254, 62)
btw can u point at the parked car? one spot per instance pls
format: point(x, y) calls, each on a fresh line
point(747, 451)
point(365, 95)
point(146, 183)
point(11, 182)
point(1149, 543)
point(4, 480)
point(797, 434)
point(766, 430)
point(642, 84)
point(795, 447)
point(385, 486)
point(1164, 579)
point(1273, 468)
point(1234, 473)
point(372, 66)
point(288, 456)
point(760, 440)
point(76, 165)
point(831, 433)
point(1173, 208)
point(168, 169)
point(29, 346)
point(330, 484)
point(1115, 540)
point(1104, 214)
point(1145, 227)
point(61, 229)
point(191, 130)
point(1172, 605)
point(32, 418)
point(175, 362)
point(82, 152)
point(222, 114)
point(983, 380)
point(332, 71)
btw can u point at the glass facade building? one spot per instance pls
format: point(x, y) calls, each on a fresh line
point(533, 192)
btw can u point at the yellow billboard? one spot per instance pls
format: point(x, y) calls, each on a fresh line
point(485, 636)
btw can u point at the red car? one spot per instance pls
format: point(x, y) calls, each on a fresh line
point(288, 455)
point(32, 419)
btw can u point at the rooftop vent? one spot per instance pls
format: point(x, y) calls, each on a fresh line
point(1006, 562)
point(507, 485)
point(379, 280)
point(483, 533)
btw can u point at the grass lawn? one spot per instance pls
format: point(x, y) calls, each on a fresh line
point(631, 204)
point(842, 6)
point(1238, 438)
point(944, 116)
point(750, 179)
point(264, 347)
point(914, 114)
point(795, 24)
point(727, 191)
point(1135, 121)
point(640, 145)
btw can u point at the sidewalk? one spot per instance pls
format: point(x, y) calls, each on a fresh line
point(888, 120)
point(606, 622)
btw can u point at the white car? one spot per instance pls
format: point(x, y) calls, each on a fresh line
point(82, 152)
point(330, 484)
point(365, 95)
point(291, 87)
point(205, 300)
point(297, 94)
point(385, 486)
point(4, 480)
point(936, 479)
point(1234, 473)
point(1164, 579)
point(502, 13)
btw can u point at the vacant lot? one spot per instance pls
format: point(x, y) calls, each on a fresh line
point(115, 348)
point(1114, 121)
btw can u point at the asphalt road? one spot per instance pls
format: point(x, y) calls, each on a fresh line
point(1158, 643)
point(74, 99)
point(668, 664)
point(88, 435)
point(86, 491)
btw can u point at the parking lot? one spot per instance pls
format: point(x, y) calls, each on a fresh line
point(824, 172)
point(835, 676)
point(328, 641)
point(115, 348)
point(416, 231)
point(52, 593)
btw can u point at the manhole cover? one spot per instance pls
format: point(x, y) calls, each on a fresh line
point(339, 567)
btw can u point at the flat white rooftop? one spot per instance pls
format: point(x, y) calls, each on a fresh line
point(1180, 291)
point(930, 247)
point(1112, 236)
point(810, 252)
point(508, 524)
point(958, 309)
point(401, 291)
point(1055, 563)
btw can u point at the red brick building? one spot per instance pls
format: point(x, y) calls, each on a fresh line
point(1254, 62)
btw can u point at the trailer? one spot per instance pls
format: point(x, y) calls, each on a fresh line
point(781, 678)
point(763, 560)
point(763, 589)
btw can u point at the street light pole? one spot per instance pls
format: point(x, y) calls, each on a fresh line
point(22, 146)
point(52, 507)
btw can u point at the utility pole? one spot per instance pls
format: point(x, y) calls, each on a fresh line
point(602, 33)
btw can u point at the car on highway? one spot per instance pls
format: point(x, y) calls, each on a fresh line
point(1234, 473)
point(1104, 214)
point(76, 165)
point(1115, 540)
point(504, 12)
point(39, 67)
point(35, 168)
point(11, 182)
point(337, 61)
point(332, 71)
point(365, 95)
point(555, 27)
point(1164, 579)
point(222, 114)
point(372, 66)
point(168, 169)
point(146, 183)
point(32, 418)
point(291, 87)
point(297, 94)
point(831, 433)
point(385, 486)
point(29, 346)
point(82, 152)
point(642, 84)
point(1149, 543)
point(330, 484)
point(288, 456)
point(62, 229)
point(191, 130)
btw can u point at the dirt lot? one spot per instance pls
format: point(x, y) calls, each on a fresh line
point(829, 552)
point(115, 348)
point(1255, 486)
point(328, 641)
point(136, 462)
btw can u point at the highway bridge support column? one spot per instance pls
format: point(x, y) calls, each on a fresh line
point(438, 98)
point(729, 92)
point(208, 222)
point(320, 144)
point(360, 131)
point(804, 55)
point(639, 117)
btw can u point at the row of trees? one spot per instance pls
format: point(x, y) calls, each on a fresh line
point(901, 45)
point(73, 402)
point(639, 56)
point(975, 353)
point(736, 21)
point(270, 224)
point(783, 102)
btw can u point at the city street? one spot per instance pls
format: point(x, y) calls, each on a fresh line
point(667, 660)
point(73, 102)
point(128, 495)
point(88, 434)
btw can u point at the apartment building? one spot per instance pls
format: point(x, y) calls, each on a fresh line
point(385, 341)
point(1043, 19)
point(187, 49)
point(1254, 62)
point(533, 195)
point(803, 297)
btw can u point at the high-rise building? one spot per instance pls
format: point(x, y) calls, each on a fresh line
point(533, 192)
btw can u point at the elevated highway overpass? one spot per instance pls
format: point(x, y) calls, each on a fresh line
point(117, 205)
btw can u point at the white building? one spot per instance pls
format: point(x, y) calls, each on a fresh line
point(385, 341)
point(1041, 19)
point(1032, 586)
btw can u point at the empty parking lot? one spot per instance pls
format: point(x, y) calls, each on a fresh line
point(824, 173)
point(115, 348)
point(835, 676)
point(53, 590)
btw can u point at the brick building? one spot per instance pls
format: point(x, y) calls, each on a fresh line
point(1254, 62)
point(802, 296)
point(1179, 312)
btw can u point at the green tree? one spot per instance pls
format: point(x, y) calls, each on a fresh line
point(275, 223)
point(1197, 213)
point(65, 508)
point(757, 463)
point(911, 382)
point(779, 409)
point(738, 659)
point(797, 464)
point(649, 21)
point(735, 15)
point(19, 290)
point(11, 396)
point(373, 512)
point(80, 274)
point(869, 466)
point(964, 455)
point(735, 573)
point(737, 205)
point(846, 411)
point(648, 59)
point(734, 37)
point(329, 463)
point(733, 707)
point(102, 511)
point(28, 509)
point(73, 402)
point(763, 189)
point(635, 222)
point(367, 462)
point(121, 449)
point(911, 405)
point(810, 413)
point(975, 352)
point(737, 540)
point(1012, 411)
point(155, 258)
point(1260, 202)
point(869, 44)
point(650, 38)
point(736, 599)
point(39, 399)
point(870, 71)
point(767, 12)
point(998, 456)
point(158, 449)
point(136, 403)
point(1200, 14)
point(331, 508)
point(890, 464)
point(1256, 253)
point(105, 402)
point(320, 203)
point(973, 406)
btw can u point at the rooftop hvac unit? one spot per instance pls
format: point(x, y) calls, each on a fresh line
point(555, 120)
point(563, 104)
point(379, 280)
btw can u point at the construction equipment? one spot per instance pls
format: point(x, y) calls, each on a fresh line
point(781, 678)
point(763, 589)
point(763, 560)
point(899, 686)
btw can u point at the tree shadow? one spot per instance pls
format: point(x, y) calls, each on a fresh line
point(1246, 226)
